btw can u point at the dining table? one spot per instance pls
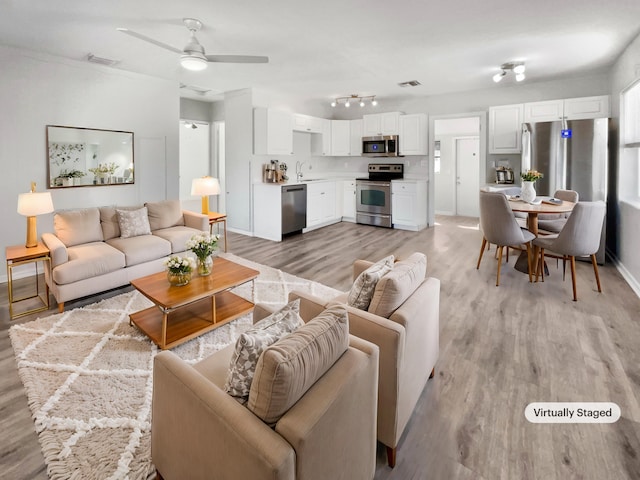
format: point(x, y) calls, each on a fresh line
point(533, 210)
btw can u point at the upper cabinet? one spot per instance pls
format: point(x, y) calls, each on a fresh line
point(567, 109)
point(381, 124)
point(272, 132)
point(321, 144)
point(340, 138)
point(356, 137)
point(505, 128)
point(413, 137)
point(307, 123)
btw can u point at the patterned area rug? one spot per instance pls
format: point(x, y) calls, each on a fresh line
point(88, 377)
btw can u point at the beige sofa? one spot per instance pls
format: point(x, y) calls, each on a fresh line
point(408, 339)
point(100, 248)
point(324, 430)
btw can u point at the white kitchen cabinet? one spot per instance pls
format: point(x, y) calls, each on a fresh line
point(321, 143)
point(413, 134)
point(349, 201)
point(272, 132)
point(356, 137)
point(321, 204)
point(409, 204)
point(307, 123)
point(569, 109)
point(505, 128)
point(381, 124)
point(587, 107)
point(340, 138)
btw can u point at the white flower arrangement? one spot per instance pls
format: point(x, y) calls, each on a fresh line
point(203, 244)
point(177, 265)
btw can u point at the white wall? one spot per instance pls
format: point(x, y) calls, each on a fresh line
point(623, 216)
point(38, 90)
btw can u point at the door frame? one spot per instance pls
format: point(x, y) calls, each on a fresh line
point(482, 134)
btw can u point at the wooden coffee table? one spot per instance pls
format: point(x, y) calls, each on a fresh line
point(183, 313)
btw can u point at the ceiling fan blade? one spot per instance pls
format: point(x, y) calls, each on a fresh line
point(150, 40)
point(237, 58)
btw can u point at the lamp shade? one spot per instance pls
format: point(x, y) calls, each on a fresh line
point(205, 186)
point(34, 203)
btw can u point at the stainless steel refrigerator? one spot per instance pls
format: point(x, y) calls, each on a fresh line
point(573, 155)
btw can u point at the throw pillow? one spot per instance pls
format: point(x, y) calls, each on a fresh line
point(133, 223)
point(292, 365)
point(253, 342)
point(396, 287)
point(362, 290)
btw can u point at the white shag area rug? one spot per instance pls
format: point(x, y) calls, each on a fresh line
point(88, 376)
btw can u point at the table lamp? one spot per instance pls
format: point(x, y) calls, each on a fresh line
point(32, 204)
point(203, 187)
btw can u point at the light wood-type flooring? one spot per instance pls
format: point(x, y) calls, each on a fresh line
point(500, 349)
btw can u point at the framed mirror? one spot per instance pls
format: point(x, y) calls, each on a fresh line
point(88, 157)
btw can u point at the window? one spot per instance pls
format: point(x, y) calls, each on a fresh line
point(436, 157)
point(630, 141)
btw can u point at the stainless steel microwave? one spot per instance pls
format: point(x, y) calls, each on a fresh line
point(380, 146)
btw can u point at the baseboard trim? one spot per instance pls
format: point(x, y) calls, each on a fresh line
point(626, 274)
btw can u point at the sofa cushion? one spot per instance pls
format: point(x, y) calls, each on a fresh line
point(363, 287)
point(290, 367)
point(253, 342)
point(75, 227)
point(133, 222)
point(109, 221)
point(398, 285)
point(165, 214)
point(88, 260)
point(141, 249)
point(177, 236)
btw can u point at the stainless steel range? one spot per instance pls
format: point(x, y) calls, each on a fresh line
point(373, 194)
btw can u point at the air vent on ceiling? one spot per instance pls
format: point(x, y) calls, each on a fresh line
point(410, 83)
point(102, 60)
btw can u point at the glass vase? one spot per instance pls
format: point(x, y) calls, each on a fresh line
point(179, 279)
point(205, 265)
point(528, 193)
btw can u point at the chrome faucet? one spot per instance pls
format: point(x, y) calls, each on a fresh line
point(299, 170)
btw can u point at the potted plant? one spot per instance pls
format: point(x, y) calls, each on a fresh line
point(103, 171)
point(529, 177)
point(68, 176)
point(179, 270)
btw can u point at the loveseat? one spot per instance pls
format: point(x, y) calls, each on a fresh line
point(402, 317)
point(100, 248)
point(310, 412)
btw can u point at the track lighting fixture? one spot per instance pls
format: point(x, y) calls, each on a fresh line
point(346, 101)
point(516, 67)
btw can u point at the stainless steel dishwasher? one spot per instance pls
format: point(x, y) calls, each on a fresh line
point(294, 208)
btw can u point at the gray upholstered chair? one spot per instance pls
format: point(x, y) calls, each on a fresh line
point(500, 227)
point(579, 237)
point(555, 222)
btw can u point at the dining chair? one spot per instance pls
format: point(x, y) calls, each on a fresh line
point(499, 227)
point(579, 237)
point(554, 222)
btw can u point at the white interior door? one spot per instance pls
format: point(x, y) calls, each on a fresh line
point(467, 176)
point(194, 160)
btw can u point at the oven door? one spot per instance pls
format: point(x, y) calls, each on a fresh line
point(373, 197)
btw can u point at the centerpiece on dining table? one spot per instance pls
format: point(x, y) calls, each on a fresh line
point(528, 193)
point(203, 245)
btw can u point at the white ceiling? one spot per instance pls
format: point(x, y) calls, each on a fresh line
point(329, 48)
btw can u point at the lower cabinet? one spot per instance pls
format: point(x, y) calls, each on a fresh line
point(409, 204)
point(321, 204)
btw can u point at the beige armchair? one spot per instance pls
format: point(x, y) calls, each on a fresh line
point(201, 432)
point(409, 348)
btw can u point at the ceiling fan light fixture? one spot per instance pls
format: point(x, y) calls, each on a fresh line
point(519, 68)
point(194, 63)
point(520, 77)
point(498, 76)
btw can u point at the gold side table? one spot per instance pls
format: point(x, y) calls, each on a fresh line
point(18, 255)
point(215, 217)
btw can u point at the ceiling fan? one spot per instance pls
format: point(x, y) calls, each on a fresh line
point(192, 56)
